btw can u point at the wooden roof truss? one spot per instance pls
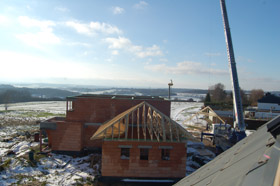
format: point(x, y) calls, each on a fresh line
point(141, 122)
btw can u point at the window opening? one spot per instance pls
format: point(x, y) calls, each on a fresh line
point(144, 154)
point(165, 154)
point(69, 105)
point(125, 153)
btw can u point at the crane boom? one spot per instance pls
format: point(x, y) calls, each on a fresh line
point(239, 120)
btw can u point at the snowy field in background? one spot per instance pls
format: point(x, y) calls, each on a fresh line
point(47, 106)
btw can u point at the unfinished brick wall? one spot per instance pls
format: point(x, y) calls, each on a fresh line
point(99, 110)
point(73, 135)
point(67, 136)
point(88, 132)
point(114, 166)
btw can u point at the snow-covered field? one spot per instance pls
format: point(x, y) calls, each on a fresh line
point(180, 111)
point(18, 126)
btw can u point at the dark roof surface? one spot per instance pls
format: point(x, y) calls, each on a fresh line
point(252, 161)
point(269, 98)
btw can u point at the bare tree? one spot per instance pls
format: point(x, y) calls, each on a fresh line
point(6, 100)
point(255, 95)
point(217, 92)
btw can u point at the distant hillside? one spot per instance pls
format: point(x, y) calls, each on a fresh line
point(11, 94)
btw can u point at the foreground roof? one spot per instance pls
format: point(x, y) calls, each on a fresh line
point(252, 161)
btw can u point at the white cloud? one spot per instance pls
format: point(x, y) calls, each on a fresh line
point(28, 7)
point(93, 28)
point(163, 60)
point(115, 52)
point(3, 19)
point(105, 28)
point(139, 51)
point(39, 38)
point(22, 66)
point(36, 39)
point(61, 9)
point(141, 5)
point(118, 10)
point(79, 27)
point(79, 44)
point(186, 67)
point(29, 22)
point(150, 51)
point(118, 43)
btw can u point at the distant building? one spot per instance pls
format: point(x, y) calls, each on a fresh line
point(269, 103)
point(135, 134)
point(268, 107)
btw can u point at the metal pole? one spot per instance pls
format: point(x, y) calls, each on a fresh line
point(169, 88)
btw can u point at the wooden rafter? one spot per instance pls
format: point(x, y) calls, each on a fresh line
point(207, 111)
point(158, 126)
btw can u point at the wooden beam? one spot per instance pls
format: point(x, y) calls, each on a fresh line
point(112, 132)
point(126, 126)
point(104, 133)
point(119, 129)
point(151, 124)
point(132, 121)
point(138, 121)
point(170, 129)
point(144, 121)
point(163, 129)
point(177, 132)
point(155, 125)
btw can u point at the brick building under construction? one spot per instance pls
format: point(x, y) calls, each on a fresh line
point(135, 133)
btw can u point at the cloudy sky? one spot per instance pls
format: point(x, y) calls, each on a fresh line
point(139, 43)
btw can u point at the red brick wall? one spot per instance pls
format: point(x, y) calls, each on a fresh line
point(88, 132)
point(99, 110)
point(67, 136)
point(113, 165)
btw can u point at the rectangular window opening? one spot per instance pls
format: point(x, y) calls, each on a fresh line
point(144, 154)
point(125, 153)
point(165, 154)
point(70, 106)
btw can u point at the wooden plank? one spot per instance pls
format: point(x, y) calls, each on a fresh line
point(138, 121)
point(144, 121)
point(163, 129)
point(105, 132)
point(132, 122)
point(151, 124)
point(126, 126)
point(177, 132)
point(170, 129)
point(155, 125)
point(119, 129)
point(112, 132)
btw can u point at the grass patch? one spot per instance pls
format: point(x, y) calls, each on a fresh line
point(5, 111)
point(5, 165)
point(41, 114)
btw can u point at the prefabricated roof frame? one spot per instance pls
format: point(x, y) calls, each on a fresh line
point(153, 114)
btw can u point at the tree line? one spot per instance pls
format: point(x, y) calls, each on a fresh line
point(218, 98)
point(20, 95)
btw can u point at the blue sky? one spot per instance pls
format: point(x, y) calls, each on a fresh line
point(139, 43)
